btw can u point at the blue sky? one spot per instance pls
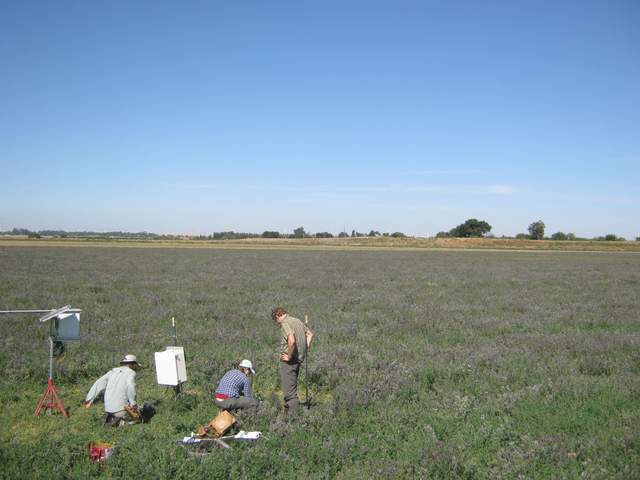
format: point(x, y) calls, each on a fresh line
point(413, 116)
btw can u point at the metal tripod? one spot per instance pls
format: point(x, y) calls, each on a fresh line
point(50, 400)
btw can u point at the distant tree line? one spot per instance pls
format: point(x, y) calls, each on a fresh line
point(300, 232)
point(229, 236)
point(82, 234)
point(536, 231)
point(470, 228)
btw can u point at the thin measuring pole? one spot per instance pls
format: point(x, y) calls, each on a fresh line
point(306, 367)
point(50, 358)
point(175, 335)
point(177, 389)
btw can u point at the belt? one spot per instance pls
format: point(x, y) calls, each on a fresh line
point(221, 396)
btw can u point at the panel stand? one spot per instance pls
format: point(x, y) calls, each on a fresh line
point(50, 400)
point(308, 399)
point(177, 390)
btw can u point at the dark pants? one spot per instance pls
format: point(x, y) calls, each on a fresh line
point(116, 419)
point(236, 403)
point(289, 381)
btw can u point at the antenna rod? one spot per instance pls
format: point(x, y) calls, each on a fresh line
point(55, 313)
point(72, 310)
point(27, 311)
point(175, 335)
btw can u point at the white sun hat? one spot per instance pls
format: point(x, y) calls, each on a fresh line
point(130, 359)
point(247, 364)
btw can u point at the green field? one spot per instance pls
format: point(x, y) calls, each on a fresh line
point(427, 364)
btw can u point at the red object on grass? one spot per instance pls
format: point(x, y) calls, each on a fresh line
point(100, 451)
point(50, 400)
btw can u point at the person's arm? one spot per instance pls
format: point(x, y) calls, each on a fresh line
point(131, 390)
point(246, 389)
point(96, 389)
point(291, 346)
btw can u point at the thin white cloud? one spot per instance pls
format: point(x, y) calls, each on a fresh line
point(497, 189)
point(374, 204)
point(448, 172)
point(430, 207)
point(193, 186)
point(582, 198)
point(441, 189)
point(617, 199)
point(502, 189)
point(215, 186)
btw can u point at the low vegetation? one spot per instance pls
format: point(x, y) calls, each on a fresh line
point(428, 364)
point(395, 241)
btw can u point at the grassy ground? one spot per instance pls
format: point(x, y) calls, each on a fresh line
point(430, 364)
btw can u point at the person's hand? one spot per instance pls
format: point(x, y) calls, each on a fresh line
point(86, 404)
point(284, 357)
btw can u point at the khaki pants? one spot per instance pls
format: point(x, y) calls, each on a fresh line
point(236, 403)
point(289, 381)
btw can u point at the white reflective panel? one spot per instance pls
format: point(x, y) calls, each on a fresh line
point(171, 367)
point(181, 363)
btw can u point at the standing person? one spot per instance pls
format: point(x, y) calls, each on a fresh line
point(234, 390)
point(294, 342)
point(119, 387)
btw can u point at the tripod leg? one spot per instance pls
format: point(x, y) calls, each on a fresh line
point(41, 402)
point(58, 404)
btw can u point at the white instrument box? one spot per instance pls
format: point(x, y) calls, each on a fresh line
point(171, 367)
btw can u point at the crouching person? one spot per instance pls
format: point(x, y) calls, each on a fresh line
point(234, 390)
point(119, 387)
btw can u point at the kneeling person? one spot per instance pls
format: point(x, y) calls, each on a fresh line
point(119, 387)
point(234, 389)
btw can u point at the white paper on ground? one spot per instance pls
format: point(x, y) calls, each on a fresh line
point(242, 435)
point(191, 439)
